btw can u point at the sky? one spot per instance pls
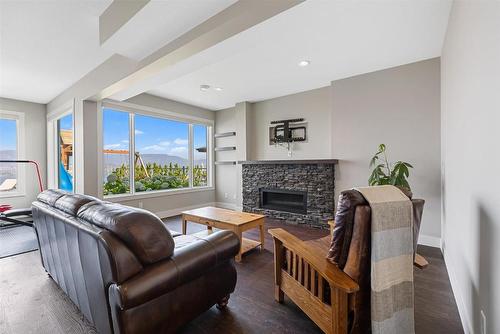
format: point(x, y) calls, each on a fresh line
point(66, 122)
point(152, 135)
point(8, 137)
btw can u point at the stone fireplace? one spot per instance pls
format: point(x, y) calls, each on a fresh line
point(297, 191)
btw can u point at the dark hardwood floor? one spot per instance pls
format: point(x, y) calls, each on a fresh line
point(30, 302)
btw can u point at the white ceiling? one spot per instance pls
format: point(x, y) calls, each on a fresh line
point(341, 38)
point(160, 22)
point(46, 46)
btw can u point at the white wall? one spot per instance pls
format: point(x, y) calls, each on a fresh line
point(314, 106)
point(399, 107)
point(227, 176)
point(35, 147)
point(470, 73)
point(91, 148)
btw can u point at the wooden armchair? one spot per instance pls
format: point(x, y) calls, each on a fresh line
point(317, 286)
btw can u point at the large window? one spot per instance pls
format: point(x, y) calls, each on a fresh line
point(65, 152)
point(9, 150)
point(166, 154)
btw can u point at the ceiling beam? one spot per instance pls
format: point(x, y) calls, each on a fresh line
point(118, 13)
point(235, 19)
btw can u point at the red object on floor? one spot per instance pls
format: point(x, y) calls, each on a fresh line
point(5, 207)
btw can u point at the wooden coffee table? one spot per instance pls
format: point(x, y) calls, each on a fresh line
point(223, 219)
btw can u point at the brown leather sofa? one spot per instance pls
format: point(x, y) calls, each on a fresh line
point(125, 270)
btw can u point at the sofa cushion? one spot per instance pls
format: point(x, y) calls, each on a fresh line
point(50, 196)
point(144, 233)
point(71, 203)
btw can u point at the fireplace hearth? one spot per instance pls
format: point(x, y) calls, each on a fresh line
point(283, 200)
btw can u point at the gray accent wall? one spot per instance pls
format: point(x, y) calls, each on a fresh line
point(470, 114)
point(35, 126)
point(313, 105)
point(347, 120)
point(399, 107)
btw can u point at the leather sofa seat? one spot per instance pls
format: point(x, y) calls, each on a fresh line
point(124, 269)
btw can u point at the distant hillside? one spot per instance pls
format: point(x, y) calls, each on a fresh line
point(7, 171)
point(115, 160)
point(7, 154)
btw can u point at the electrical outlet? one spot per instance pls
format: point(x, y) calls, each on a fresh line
point(483, 323)
point(141, 205)
point(234, 196)
point(225, 195)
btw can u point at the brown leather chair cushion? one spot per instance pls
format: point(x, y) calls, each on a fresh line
point(342, 233)
point(140, 230)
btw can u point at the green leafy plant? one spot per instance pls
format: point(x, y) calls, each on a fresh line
point(383, 174)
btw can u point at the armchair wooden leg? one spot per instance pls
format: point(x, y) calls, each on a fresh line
point(278, 264)
point(339, 311)
point(420, 262)
point(222, 304)
point(279, 295)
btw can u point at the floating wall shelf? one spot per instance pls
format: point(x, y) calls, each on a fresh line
point(225, 134)
point(227, 148)
point(225, 162)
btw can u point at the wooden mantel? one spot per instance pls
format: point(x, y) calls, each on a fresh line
point(290, 162)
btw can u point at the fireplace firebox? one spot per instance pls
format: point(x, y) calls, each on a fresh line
point(283, 200)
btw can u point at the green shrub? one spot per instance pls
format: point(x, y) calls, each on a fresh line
point(158, 177)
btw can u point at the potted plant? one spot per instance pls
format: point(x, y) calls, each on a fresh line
point(386, 173)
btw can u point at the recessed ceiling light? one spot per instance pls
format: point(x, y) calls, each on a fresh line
point(218, 88)
point(303, 63)
point(204, 88)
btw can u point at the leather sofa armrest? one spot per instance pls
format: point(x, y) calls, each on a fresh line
point(192, 259)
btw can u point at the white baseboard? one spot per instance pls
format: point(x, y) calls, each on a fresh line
point(462, 310)
point(229, 206)
point(428, 240)
point(178, 211)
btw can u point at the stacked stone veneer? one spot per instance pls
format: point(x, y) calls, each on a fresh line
point(316, 179)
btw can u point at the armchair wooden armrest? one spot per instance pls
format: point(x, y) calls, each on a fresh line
point(330, 272)
point(316, 285)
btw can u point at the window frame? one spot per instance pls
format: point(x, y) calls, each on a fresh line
point(133, 110)
point(53, 146)
point(18, 117)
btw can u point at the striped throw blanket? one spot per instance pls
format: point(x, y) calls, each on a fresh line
point(391, 260)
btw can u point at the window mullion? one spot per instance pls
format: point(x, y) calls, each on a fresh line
point(131, 153)
point(190, 155)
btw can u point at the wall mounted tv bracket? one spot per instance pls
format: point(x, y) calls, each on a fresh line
point(286, 132)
